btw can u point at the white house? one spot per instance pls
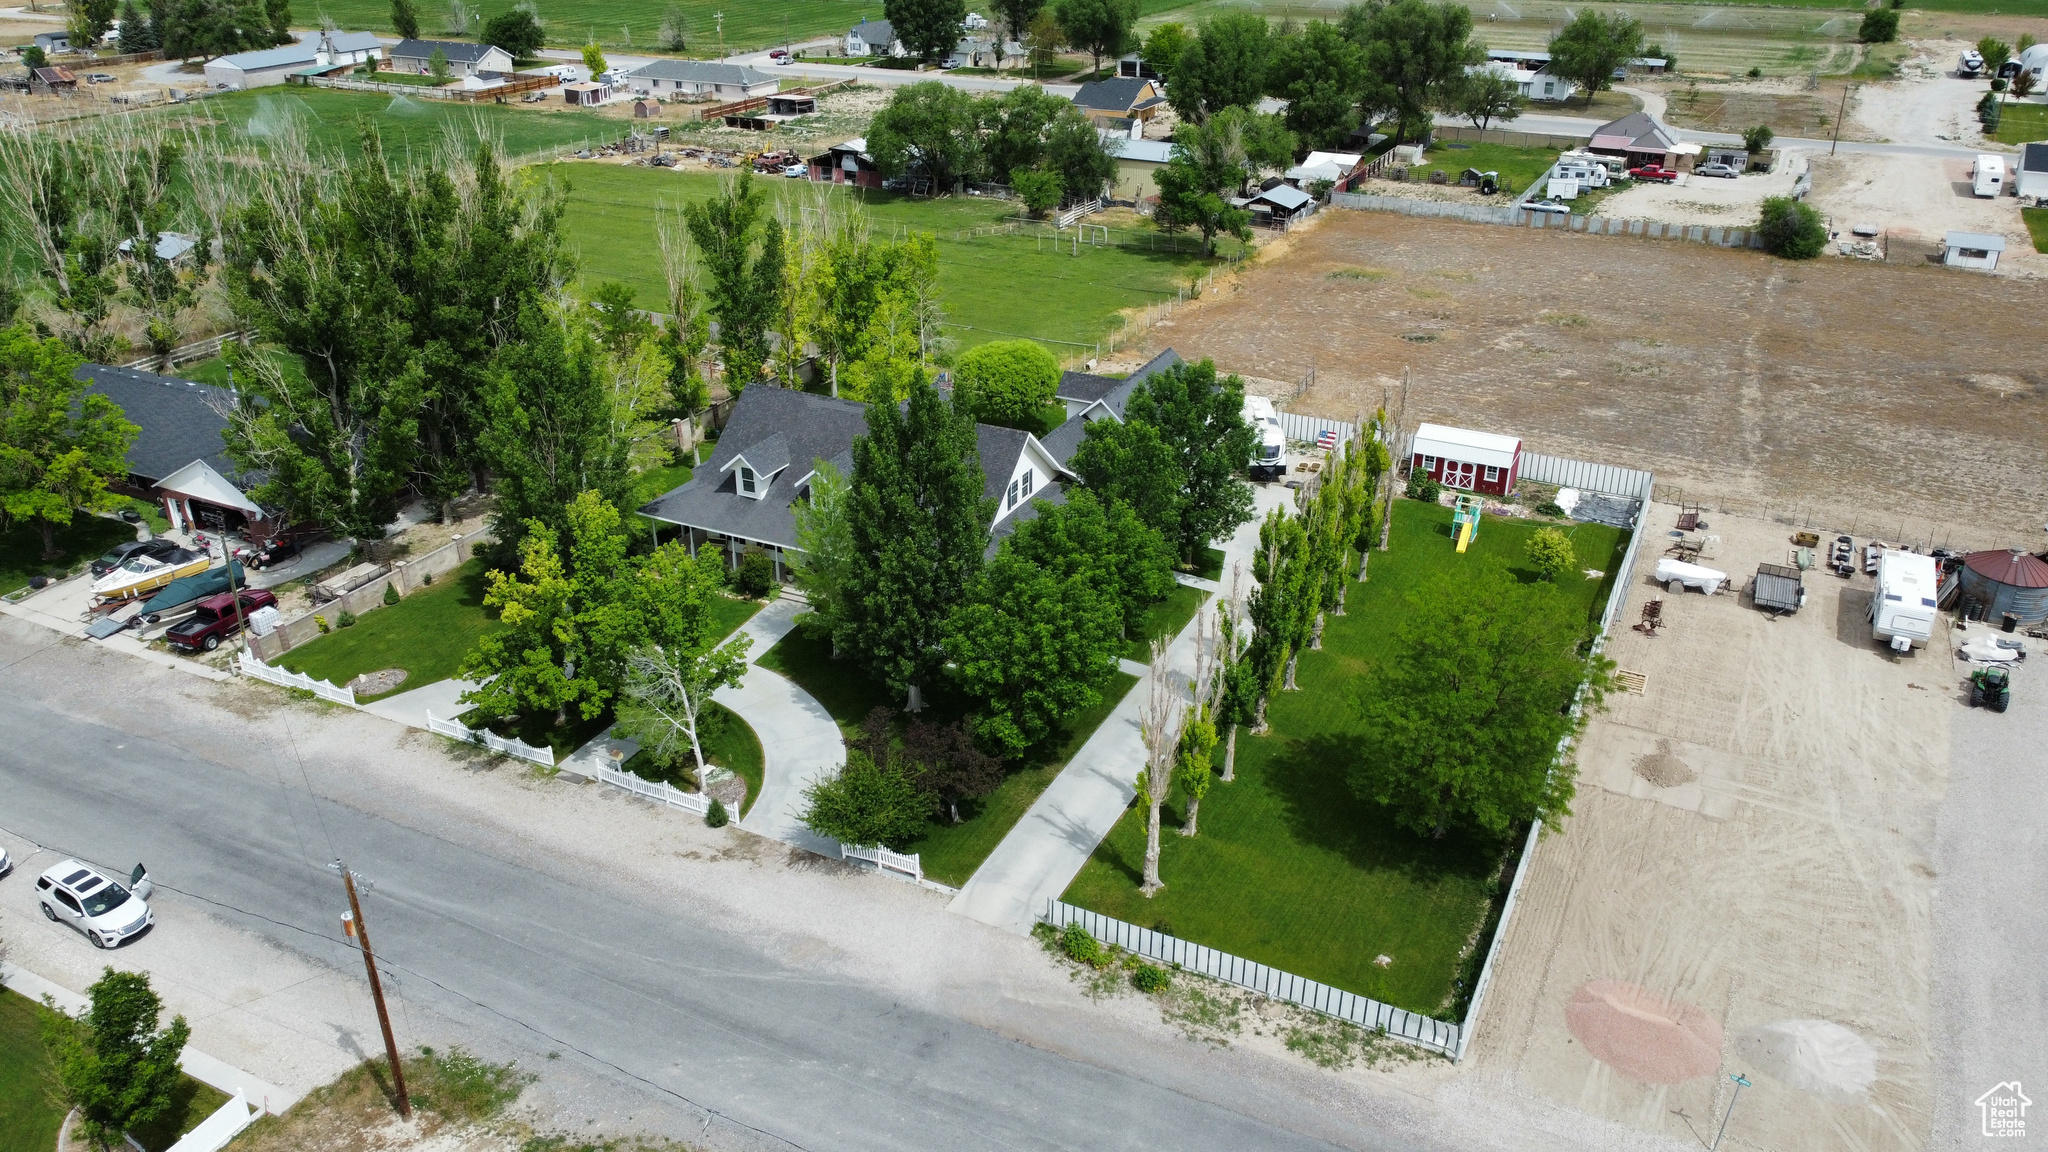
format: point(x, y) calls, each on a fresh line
point(2030, 175)
point(262, 67)
point(874, 38)
point(1972, 250)
point(1530, 84)
point(699, 80)
point(464, 59)
point(975, 22)
point(350, 48)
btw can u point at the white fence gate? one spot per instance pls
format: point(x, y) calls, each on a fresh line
point(660, 792)
point(489, 739)
point(251, 666)
point(884, 859)
point(1363, 1011)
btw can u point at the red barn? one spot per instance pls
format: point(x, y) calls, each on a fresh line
point(847, 163)
point(1466, 460)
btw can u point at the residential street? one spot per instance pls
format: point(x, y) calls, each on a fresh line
point(661, 960)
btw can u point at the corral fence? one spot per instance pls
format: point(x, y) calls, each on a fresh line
point(514, 87)
point(405, 575)
point(1516, 217)
point(484, 737)
point(186, 353)
point(1430, 1033)
point(251, 666)
point(661, 792)
point(885, 860)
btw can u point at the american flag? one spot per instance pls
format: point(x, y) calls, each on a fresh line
point(1327, 438)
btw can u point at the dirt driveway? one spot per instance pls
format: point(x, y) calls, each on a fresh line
point(1916, 200)
point(1775, 896)
point(1711, 200)
point(1833, 390)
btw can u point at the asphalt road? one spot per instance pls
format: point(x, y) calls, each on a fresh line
point(818, 1063)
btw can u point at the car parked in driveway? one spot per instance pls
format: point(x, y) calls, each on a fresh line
point(1551, 206)
point(159, 549)
point(79, 896)
point(216, 619)
point(1721, 170)
point(1654, 172)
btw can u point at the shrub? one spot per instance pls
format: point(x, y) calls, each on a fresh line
point(1038, 189)
point(390, 594)
point(1550, 553)
point(1880, 26)
point(1998, 84)
point(1423, 486)
point(869, 803)
point(1792, 229)
point(1007, 382)
point(427, 578)
point(347, 619)
point(1550, 508)
point(1757, 139)
point(1151, 978)
point(755, 576)
point(716, 815)
point(1755, 72)
point(1079, 945)
point(320, 622)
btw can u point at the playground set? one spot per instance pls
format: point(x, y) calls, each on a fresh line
point(1465, 519)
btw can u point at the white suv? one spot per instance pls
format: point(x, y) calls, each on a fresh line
point(78, 895)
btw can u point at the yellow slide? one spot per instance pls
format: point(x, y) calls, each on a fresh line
point(1464, 535)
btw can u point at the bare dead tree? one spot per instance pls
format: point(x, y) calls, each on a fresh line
point(1235, 641)
point(1159, 722)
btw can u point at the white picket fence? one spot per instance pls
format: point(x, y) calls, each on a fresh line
point(1078, 211)
point(884, 859)
point(489, 739)
point(661, 793)
point(213, 1133)
point(1435, 1035)
point(251, 666)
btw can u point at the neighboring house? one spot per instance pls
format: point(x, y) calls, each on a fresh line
point(699, 80)
point(464, 58)
point(2035, 60)
point(586, 93)
point(1336, 167)
point(1133, 67)
point(53, 42)
point(179, 458)
point(1466, 460)
point(847, 163)
point(1136, 161)
point(2030, 175)
point(874, 38)
point(1119, 98)
point(744, 499)
point(170, 246)
point(1530, 83)
point(348, 49)
point(1639, 139)
point(1088, 397)
point(1978, 250)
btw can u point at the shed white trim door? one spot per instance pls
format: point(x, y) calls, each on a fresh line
point(1458, 473)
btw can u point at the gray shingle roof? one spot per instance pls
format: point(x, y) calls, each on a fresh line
point(1063, 441)
point(1117, 94)
point(810, 427)
point(768, 457)
point(457, 51)
point(875, 33)
point(1085, 387)
point(700, 72)
point(176, 419)
point(999, 448)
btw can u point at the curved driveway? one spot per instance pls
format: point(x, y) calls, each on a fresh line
point(800, 742)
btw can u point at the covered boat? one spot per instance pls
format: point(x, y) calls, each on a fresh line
point(187, 590)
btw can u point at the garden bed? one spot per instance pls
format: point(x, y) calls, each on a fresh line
point(729, 742)
point(1294, 871)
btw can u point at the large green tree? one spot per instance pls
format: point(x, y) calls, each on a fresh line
point(550, 431)
point(1033, 644)
point(1415, 51)
point(1103, 27)
point(1102, 539)
point(822, 565)
point(1321, 75)
point(115, 1066)
point(60, 446)
point(740, 245)
point(405, 19)
point(919, 524)
point(928, 28)
point(523, 668)
point(517, 31)
point(1589, 49)
point(1223, 67)
point(1485, 97)
point(927, 129)
point(1075, 148)
point(1007, 382)
point(1210, 163)
point(1012, 128)
point(1200, 417)
point(1017, 16)
point(1127, 462)
point(1463, 723)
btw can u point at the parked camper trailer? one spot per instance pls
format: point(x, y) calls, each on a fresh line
point(1987, 175)
point(1269, 456)
point(1902, 607)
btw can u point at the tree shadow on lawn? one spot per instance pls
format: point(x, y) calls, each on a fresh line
point(1308, 778)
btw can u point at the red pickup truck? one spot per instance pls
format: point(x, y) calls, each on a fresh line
point(216, 619)
point(1653, 172)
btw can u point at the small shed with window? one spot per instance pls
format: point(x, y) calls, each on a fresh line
point(1972, 250)
point(1466, 460)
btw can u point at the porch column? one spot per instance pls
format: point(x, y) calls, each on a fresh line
point(778, 565)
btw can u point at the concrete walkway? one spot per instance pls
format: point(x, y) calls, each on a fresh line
point(443, 698)
point(800, 742)
point(1042, 854)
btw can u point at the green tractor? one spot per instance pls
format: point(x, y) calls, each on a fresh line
point(1991, 688)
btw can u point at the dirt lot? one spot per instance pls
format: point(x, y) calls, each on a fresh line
point(1917, 199)
point(1709, 200)
point(1783, 893)
point(1838, 391)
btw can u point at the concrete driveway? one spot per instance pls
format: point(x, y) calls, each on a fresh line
point(800, 742)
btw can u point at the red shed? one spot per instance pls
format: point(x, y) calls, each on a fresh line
point(1466, 460)
point(847, 163)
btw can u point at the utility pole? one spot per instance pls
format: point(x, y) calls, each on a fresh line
point(355, 927)
point(719, 17)
point(1838, 120)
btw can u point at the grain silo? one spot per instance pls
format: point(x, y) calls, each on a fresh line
point(2005, 582)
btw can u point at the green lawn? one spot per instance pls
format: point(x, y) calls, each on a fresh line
point(1211, 567)
point(1164, 620)
point(412, 78)
point(2022, 123)
point(610, 225)
point(78, 544)
point(407, 125)
point(1518, 167)
point(30, 1111)
point(427, 634)
point(659, 481)
point(2037, 226)
point(1292, 870)
point(729, 742)
point(949, 852)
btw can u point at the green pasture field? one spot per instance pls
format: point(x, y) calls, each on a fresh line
point(632, 23)
point(408, 126)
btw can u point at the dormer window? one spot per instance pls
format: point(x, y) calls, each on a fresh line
point(748, 484)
